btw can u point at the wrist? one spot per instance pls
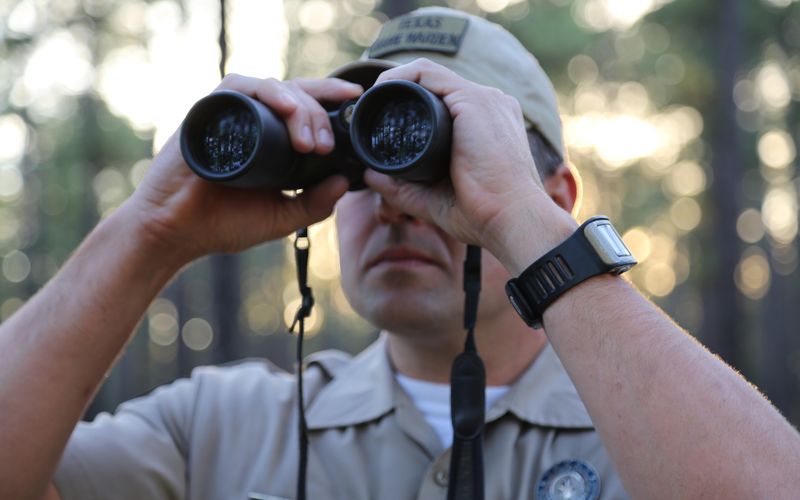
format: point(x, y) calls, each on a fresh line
point(149, 238)
point(528, 230)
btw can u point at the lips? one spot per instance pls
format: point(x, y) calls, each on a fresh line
point(401, 254)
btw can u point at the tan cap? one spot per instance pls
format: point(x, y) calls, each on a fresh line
point(478, 50)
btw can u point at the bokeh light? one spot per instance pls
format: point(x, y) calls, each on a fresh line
point(261, 315)
point(773, 86)
point(9, 307)
point(753, 274)
point(749, 226)
point(16, 266)
point(492, 6)
point(779, 213)
point(776, 148)
point(602, 15)
point(162, 322)
point(659, 279)
point(638, 242)
point(364, 30)
point(686, 178)
point(685, 213)
point(582, 69)
point(197, 334)
point(313, 323)
point(317, 16)
point(11, 183)
point(14, 134)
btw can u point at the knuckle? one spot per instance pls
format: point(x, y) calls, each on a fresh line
point(231, 80)
point(319, 116)
point(299, 83)
point(513, 103)
point(424, 62)
point(293, 86)
point(497, 94)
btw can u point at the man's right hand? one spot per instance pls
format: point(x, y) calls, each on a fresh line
point(55, 351)
point(190, 217)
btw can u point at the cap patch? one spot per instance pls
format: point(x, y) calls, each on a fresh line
point(429, 32)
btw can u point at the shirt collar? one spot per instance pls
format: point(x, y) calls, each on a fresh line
point(362, 391)
point(544, 395)
point(365, 390)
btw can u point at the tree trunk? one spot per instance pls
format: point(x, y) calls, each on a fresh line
point(724, 316)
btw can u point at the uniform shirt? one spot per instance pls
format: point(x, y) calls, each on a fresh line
point(232, 433)
point(432, 399)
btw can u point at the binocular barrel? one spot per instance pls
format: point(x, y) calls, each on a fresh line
point(398, 128)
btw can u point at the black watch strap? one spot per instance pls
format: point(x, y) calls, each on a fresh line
point(594, 248)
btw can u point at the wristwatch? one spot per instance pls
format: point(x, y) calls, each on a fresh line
point(595, 248)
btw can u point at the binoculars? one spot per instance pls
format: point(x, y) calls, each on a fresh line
point(398, 128)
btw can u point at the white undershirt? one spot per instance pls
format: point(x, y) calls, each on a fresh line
point(433, 401)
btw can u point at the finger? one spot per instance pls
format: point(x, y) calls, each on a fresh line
point(297, 102)
point(285, 99)
point(320, 123)
point(269, 91)
point(432, 76)
point(300, 122)
point(330, 89)
point(429, 203)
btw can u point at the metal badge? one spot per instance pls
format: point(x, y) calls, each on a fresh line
point(569, 480)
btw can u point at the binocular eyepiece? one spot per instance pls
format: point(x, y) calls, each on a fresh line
point(398, 128)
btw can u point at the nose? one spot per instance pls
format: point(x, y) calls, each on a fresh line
point(387, 213)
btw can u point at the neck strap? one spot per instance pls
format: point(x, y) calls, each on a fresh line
point(468, 396)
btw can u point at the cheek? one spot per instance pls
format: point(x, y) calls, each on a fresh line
point(351, 230)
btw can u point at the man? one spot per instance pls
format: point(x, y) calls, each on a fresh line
point(674, 420)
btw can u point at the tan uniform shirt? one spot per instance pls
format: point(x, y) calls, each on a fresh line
point(231, 433)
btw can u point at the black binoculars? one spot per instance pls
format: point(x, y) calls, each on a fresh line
point(398, 128)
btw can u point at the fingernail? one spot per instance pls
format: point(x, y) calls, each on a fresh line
point(306, 135)
point(324, 138)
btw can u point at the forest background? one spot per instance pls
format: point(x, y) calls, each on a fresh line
point(682, 117)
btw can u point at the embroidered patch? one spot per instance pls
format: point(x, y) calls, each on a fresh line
point(569, 480)
point(428, 32)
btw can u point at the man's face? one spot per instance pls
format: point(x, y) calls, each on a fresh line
point(403, 274)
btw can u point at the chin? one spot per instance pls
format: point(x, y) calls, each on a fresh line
point(411, 311)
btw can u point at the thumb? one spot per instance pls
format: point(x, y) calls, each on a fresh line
point(317, 202)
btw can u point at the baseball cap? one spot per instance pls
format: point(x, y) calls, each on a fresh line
point(473, 47)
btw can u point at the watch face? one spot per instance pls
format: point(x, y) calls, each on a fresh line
point(609, 245)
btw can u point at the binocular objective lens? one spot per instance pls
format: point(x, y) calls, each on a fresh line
point(229, 141)
point(400, 132)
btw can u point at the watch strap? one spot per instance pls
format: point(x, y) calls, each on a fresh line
point(575, 260)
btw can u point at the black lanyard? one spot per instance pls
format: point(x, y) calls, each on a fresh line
point(467, 383)
point(468, 396)
point(301, 249)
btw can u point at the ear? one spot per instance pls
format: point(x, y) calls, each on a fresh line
point(562, 186)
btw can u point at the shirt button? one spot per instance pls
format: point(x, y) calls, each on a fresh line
point(440, 478)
